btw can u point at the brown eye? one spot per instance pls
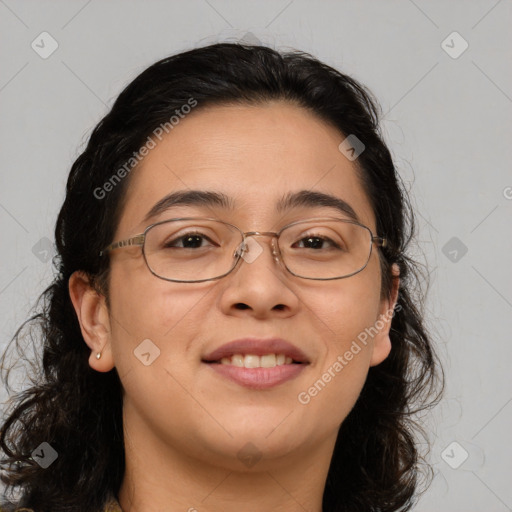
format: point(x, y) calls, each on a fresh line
point(188, 241)
point(317, 242)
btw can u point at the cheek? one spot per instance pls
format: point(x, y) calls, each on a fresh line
point(346, 317)
point(345, 308)
point(144, 307)
point(154, 325)
point(344, 314)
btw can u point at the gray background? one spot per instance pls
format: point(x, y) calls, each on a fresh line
point(448, 123)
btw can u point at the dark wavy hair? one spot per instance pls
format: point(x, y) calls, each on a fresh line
point(376, 464)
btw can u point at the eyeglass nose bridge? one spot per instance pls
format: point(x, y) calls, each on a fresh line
point(242, 248)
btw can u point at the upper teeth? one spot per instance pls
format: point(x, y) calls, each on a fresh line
point(252, 361)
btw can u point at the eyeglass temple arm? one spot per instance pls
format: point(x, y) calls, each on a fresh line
point(136, 240)
point(379, 240)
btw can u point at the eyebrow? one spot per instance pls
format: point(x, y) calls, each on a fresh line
point(207, 198)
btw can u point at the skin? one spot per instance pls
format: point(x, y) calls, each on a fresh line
point(184, 424)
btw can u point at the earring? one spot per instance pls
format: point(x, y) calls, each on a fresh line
point(98, 355)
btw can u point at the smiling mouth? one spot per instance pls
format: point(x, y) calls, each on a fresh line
point(255, 361)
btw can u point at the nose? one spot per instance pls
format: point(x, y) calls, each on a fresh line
point(256, 289)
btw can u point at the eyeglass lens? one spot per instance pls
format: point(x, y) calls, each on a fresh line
point(198, 249)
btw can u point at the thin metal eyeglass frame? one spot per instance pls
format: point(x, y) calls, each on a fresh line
point(140, 239)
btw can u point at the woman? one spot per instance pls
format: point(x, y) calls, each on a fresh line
point(235, 320)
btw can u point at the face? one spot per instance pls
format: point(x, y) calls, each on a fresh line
point(255, 155)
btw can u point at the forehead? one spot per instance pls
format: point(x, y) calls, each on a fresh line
point(255, 155)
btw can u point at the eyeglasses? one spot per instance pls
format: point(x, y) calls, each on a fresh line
point(194, 249)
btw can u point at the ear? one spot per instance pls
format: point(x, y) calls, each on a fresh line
point(93, 316)
point(382, 341)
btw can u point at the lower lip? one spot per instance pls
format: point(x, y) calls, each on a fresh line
point(258, 378)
